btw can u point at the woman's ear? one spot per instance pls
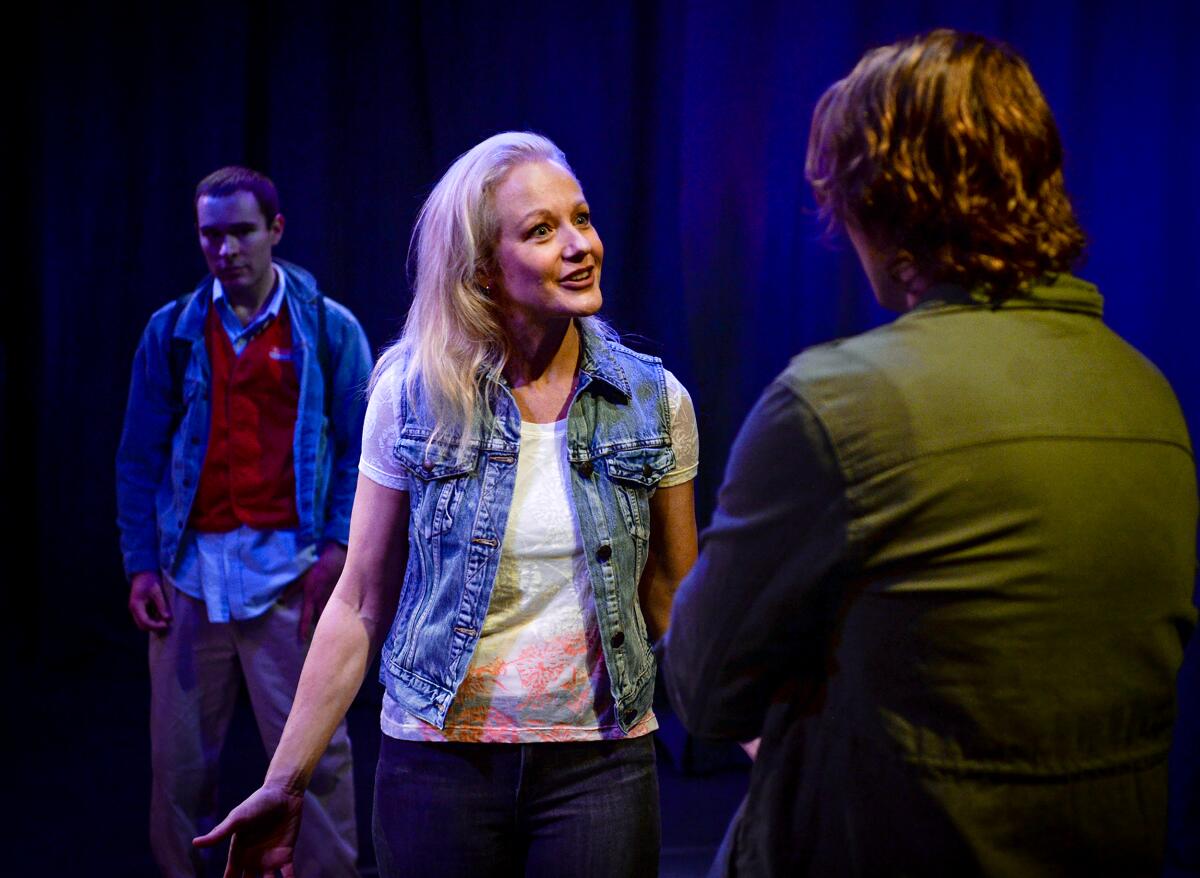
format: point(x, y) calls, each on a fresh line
point(485, 278)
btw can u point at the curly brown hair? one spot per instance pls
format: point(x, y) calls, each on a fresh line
point(944, 148)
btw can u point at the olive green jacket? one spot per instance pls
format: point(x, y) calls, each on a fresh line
point(949, 582)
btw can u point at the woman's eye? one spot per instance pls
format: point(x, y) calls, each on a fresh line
point(583, 219)
point(540, 230)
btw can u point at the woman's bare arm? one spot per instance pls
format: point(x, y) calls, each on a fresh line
point(351, 629)
point(671, 554)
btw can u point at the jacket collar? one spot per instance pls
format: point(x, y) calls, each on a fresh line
point(298, 285)
point(597, 361)
point(1062, 292)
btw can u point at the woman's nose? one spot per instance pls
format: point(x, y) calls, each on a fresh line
point(577, 244)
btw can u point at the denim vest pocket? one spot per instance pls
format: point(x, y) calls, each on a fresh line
point(438, 479)
point(637, 472)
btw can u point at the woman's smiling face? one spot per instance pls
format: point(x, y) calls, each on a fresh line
point(546, 262)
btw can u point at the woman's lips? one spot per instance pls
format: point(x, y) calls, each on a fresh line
point(580, 278)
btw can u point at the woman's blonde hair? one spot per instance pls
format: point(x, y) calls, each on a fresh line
point(453, 337)
point(944, 147)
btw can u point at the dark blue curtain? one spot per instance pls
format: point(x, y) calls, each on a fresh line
point(686, 123)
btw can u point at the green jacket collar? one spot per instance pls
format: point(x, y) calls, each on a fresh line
point(1063, 292)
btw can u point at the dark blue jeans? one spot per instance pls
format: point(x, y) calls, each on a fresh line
point(582, 808)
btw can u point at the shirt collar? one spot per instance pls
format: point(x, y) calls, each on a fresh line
point(273, 304)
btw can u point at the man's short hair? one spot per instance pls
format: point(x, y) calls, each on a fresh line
point(234, 178)
point(944, 147)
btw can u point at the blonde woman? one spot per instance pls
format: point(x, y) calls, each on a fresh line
point(524, 514)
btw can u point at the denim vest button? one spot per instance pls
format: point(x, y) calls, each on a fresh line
point(647, 470)
point(604, 552)
point(585, 469)
point(617, 639)
point(427, 465)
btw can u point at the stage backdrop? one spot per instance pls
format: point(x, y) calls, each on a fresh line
point(686, 123)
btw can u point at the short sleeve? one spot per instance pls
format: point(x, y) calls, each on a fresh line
point(685, 438)
point(381, 429)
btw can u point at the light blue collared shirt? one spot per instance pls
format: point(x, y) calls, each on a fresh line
point(241, 573)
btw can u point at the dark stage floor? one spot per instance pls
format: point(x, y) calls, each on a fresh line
point(81, 788)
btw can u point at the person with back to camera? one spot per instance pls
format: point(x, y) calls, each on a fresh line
point(955, 612)
point(523, 516)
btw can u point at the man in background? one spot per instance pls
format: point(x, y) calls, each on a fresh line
point(235, 478)
point(949, 579)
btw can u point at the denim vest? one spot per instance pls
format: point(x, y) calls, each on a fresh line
point(618, 446)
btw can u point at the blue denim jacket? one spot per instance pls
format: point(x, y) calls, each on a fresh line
point(162, 450)
point(619, 447)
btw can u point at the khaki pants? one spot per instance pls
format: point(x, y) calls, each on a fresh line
point(195, 672)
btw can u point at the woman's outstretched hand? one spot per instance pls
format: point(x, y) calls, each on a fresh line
point(263, 832)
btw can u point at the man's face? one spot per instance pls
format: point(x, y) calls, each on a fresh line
point(237, 240)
